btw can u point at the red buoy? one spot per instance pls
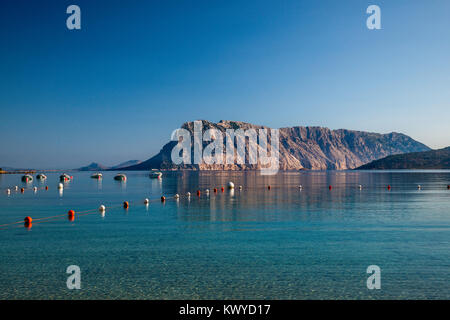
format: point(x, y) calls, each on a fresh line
point(22, 190)
point(330, 187)
point(28, 223)
point(215, 190)
point(268, 187)
point(163, 199)
point(126, 205)
point(223, 189)
point(198, 193)
point(389, 187)
point(71, 213)
point(46, 187)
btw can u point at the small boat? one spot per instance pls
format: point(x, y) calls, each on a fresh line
point(97, 175)
point(120, 177)
point(27, 178)
point(65, 177)
point(155, 174)
point(41, 176)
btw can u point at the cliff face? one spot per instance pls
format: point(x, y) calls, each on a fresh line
point(434, 159)
point(314, 148)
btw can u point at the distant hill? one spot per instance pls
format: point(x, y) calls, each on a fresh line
point(315, 148)
point(434, 159)
point(94, 166)
point(126, 164)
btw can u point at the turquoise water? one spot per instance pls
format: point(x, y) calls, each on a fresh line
point(282, 243)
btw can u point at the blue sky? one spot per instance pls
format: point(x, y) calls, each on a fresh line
point(116, 89)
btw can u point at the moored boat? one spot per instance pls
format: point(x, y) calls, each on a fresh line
point(155, 174)
point(120, 177)
point(27, 178)
point(97, 175)
point(41, 176)
point(65, 177)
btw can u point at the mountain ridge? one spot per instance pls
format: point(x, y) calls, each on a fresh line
point(432, 159)
point(313, 148)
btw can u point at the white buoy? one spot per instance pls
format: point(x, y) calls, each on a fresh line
point(60, 186)
point(16, 188)
point(419, 187)
point(240, 187)
point(207, 191)
point(8, 191)
point(360, 187)
point(188, 194)
point(300, 187)
point(146, 201)
point(176, 196)
point(35, 189)
point(102, 208)
point(230, 185)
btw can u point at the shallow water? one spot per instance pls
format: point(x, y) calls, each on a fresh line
point(282, 243)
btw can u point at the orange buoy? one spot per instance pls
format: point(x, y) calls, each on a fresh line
point(330, 187)
point(163, 199)
point(268, 187)
point(126, 204)
point(22, 190)
point(215, 190)
point(389, 187)
point(198, 193)
point(28, 221)
point(71, 215)
point(46, 187)
point(222, 189)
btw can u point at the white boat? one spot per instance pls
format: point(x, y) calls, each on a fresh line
point(97, 175)
point(155, 174)
point(120, 177)
point(65, 177)
point(41, 176)
point(27, 178)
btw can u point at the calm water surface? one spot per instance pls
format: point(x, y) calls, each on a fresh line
point(282, 243)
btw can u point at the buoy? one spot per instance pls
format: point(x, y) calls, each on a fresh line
point(163, 199)
point(330, 187)
point(215, 190)
point(240, 187)
point(46, 187)
point(222, 189)
point(126, 205)
point(22, 190)
point(16, 188)
point(146, 201)
point(71, 215)
point(8, 191)
point(360, 187)
point(230, 185)
point(207, 191)
point(300, 187)
point(102, 208)
point(188, 194)
point(28, 221)
point(198, 193)
point(419, 187)
point(176, 196)
point(389, 187)
point(268, 187)
point(60, 186)
point(71, 218)
point(35, 189)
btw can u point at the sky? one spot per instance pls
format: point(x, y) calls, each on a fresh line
point(137, 70)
